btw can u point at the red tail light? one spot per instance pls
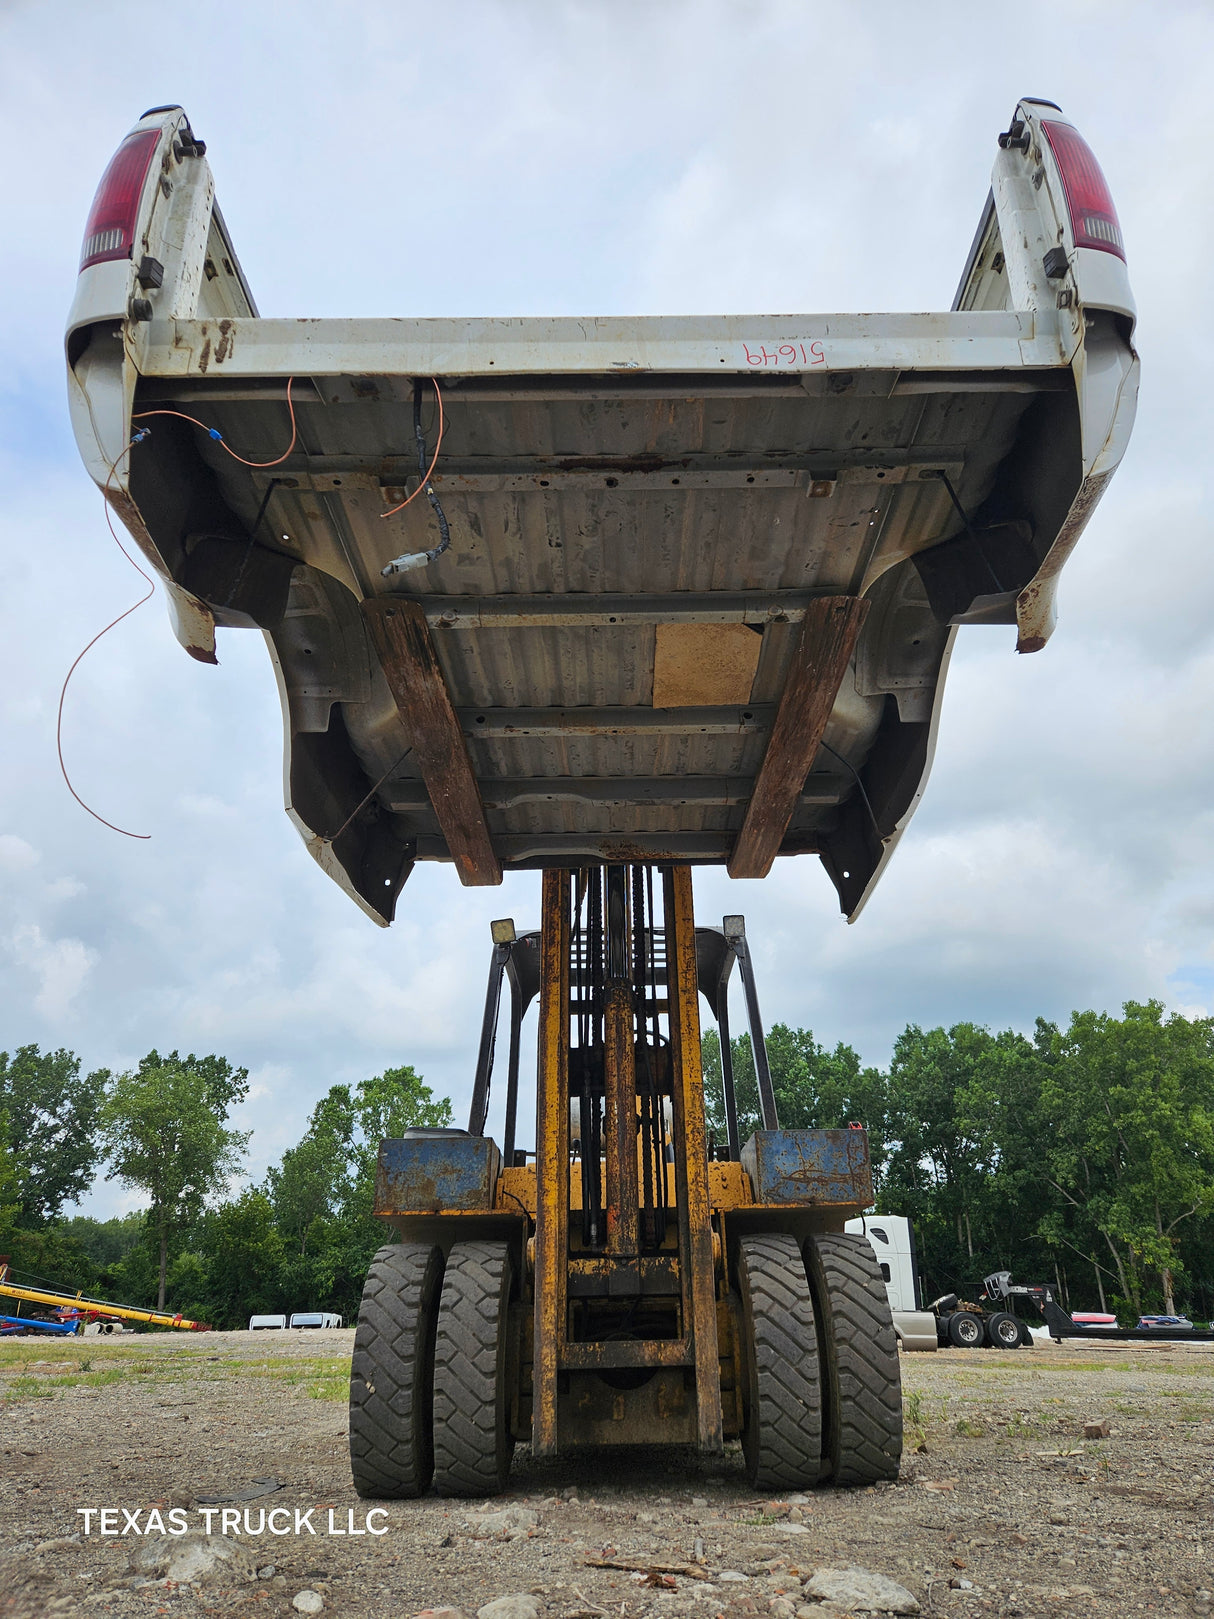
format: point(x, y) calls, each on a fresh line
point(111, 223)
point(1093, 217)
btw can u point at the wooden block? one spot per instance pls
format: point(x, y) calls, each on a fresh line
point(402, 639)
point(828, 637)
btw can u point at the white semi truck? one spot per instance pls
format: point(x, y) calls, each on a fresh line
point(945, 1320)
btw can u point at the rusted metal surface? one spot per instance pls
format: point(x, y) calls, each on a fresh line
point(552, 1160)
point(809, 1167)
point(402, 640)
point(729, 1187)
point(829, 632)
point(614, 1354)
point(653, 1274)
point(516, 1189)
point(620, 1125)
point(691, 1152)
point(662, 1411)
point(433, 1174)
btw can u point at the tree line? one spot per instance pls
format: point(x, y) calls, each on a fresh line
point(1084, 1155)
point(301, 1239)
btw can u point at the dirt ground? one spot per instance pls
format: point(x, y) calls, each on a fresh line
point(1002, 1506)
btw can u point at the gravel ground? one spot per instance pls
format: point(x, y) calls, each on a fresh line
point(1002, 1506)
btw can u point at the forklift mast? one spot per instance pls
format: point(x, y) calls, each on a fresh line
point(627, 1281)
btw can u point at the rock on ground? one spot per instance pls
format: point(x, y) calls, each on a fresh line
point(860, 1589)
point(206, 1558)
point(511, 1607)
point(507, 1523)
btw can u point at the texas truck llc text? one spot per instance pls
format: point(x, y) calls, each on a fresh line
point(229, 1521)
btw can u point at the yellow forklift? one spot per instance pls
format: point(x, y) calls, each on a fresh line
point(629, 1281)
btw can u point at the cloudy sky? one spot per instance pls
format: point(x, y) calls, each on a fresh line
point(517, 157)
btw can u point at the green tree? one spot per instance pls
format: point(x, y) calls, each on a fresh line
point(10, 1188)
point(241, 1252)
point(106, 1242)
point(311, 1183)
point(53, 1121)
point(222, 1084)
point(389, 1104)
point(164, 1131)
point(322, 1190)
point(1128, 1136)
point(965, 1162)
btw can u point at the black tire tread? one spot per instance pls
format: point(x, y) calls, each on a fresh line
point(472, 1443)
point(955, 1330)
point(994, 1322)
point(783, 1439)
point(863, 1428)
point(391, 1450)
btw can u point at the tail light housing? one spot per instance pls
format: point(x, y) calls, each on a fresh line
point(110, 231)
point(1090, 203)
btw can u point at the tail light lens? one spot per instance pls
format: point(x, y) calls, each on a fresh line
point(110, 231)
point(1093, 217)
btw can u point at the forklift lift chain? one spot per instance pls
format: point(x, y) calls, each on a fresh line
point(472, 1440)
point(391, 1377)
point(862, 1433)
point(782, 1439)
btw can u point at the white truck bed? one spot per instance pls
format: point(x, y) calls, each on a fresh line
point(704, 573)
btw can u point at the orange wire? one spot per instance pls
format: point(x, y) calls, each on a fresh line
point(433, 458)
point(139, 415)
point(151, 591)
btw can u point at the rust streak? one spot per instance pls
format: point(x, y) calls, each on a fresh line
point(415, 678)
point(828, 638)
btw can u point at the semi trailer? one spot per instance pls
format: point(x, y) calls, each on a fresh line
point(609, 598)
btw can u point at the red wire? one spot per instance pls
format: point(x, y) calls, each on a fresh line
point(151, 591)
point(139, 415)
point(433, 458)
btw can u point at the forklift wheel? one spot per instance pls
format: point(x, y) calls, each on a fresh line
point(1003, 1330)
point(782, 1439)
point(862, 1430)
point(472, 1438)
point(391, 1444)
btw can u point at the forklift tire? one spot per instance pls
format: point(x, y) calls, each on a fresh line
point(1003, 1330)
point(862, 1428)
point(965, 1330)
point(472, 1439)
point(391, 1374)
point(782, 1438)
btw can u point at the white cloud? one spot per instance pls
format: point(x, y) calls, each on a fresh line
point(61, 966)
point(16, 854)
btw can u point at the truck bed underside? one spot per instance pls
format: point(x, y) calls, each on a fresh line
point(629, 620)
